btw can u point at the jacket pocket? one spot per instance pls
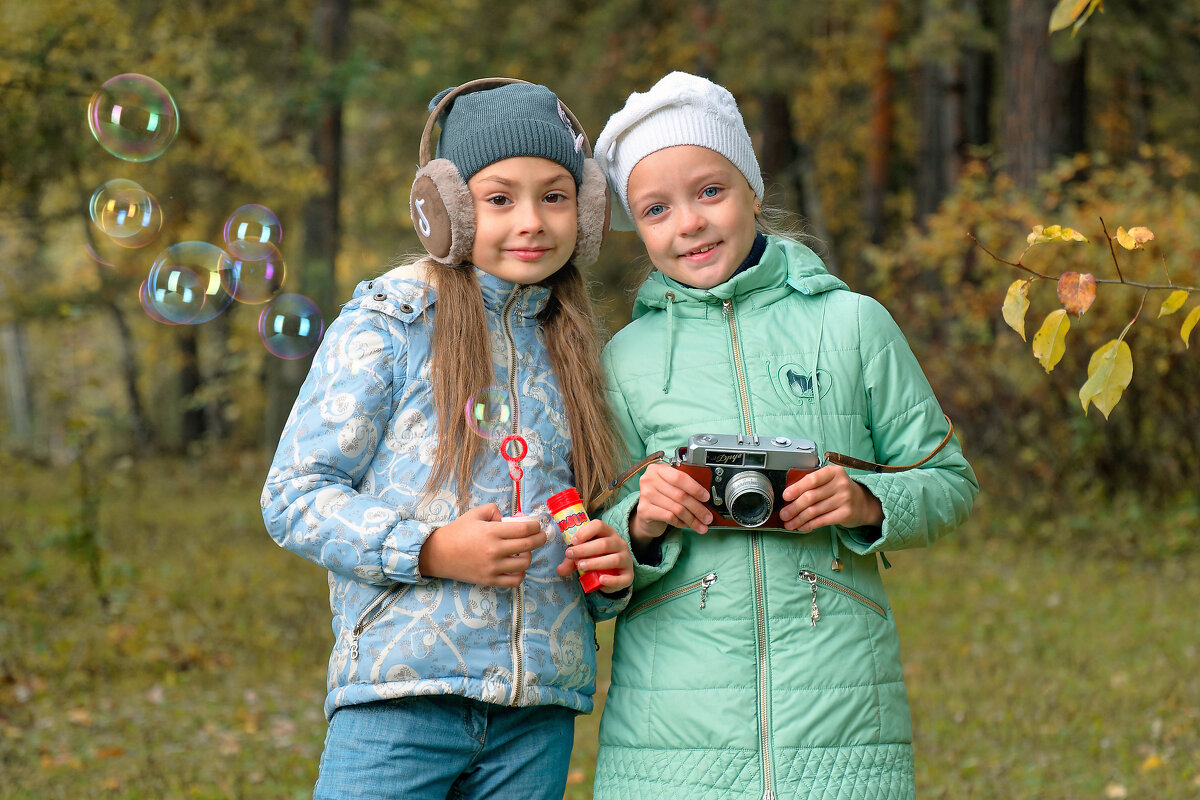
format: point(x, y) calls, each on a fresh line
point(816, 583)
point(374, 610)
point(701, 585)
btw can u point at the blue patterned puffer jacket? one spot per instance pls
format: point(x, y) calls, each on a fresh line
point(345, 492)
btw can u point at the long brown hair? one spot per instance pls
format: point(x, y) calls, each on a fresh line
point(461, 365)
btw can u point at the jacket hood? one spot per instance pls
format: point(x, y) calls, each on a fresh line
point(785, 266)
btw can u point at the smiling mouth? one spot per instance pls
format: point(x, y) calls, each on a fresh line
point(699, 251)
point(529, 253)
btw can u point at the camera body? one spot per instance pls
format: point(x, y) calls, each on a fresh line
point(746, 475)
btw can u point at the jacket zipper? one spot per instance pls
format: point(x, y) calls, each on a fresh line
point(702, 584)
point(373, 612)
point(760, 590)
point(739, 370)
point(516, 634)
point(814, 580)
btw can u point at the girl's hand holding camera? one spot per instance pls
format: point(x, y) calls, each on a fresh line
point(829, 496)
point(482, 547)
point(597, 546)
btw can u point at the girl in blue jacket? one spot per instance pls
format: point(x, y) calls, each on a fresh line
point(758, 656)
point(463, 643)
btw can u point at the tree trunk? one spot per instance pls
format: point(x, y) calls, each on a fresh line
point(882, 122)
point(321, 218)
point(1044, 99)
point(787, 168)
point(16, 385)
point(138, 426)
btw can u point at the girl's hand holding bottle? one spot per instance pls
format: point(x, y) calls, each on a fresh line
point(597, 546)
point(482, 547)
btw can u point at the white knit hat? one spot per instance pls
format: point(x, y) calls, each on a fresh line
point(679, 109)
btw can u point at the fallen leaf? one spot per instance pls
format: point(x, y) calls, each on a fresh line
point(1152, 762)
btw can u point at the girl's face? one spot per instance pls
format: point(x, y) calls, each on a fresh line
point(695, 213)
point(526, 218)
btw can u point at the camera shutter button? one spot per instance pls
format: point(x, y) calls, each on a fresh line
point(782, 441)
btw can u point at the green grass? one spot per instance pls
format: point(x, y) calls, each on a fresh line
point(1040, 665)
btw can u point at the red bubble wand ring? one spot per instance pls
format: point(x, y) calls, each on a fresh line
point(514, 465)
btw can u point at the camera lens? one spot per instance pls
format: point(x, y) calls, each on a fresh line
point(749, 498)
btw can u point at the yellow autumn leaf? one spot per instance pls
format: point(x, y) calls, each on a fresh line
point(1173, 303)
point(1141, 234)
point(1050, 342)
point(1125, 240)
point(1016, 303)
point(1065, 13)
point(1153, 761)
point(1110, 370)
point(1035, 235)
point(1071, 235)
point(1186, 331)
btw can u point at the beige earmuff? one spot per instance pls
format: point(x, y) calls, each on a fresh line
point(442, 210)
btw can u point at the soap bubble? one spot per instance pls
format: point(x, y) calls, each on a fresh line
point(259, 279)
point(126, 213)
point(489, 412)
point(291, 326)
point(133, 117)
point(195, 277)
point(252, 232)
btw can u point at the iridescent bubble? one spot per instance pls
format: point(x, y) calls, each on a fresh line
point(127, 213)
point(259, 279)
point(133, 117)
point(489, 412)
point(148, 304)
point(174, 293)
point(291, 326)
point(252, 231)
point(191, 276)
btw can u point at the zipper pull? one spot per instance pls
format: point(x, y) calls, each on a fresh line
point(354, 647)
point(811, 577)
point(705, 582)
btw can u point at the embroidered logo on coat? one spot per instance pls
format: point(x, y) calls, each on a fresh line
point(798, 384)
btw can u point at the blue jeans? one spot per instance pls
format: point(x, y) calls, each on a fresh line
point(445, 746)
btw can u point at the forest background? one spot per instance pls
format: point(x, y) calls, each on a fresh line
point(129, 543)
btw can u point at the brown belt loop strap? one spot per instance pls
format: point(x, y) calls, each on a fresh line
point(871, 466)
point(602, 499)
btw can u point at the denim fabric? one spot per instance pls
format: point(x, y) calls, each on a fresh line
point(422, 748)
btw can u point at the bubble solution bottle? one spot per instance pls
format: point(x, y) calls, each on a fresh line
point(570, 515)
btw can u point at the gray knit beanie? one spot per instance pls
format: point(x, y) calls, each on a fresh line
point(679, 109)
point(518, 119)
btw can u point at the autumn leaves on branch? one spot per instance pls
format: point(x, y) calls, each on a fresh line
point(1110, 368)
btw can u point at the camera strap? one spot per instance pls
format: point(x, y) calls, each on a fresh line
point(601, 500)
point(871, 466)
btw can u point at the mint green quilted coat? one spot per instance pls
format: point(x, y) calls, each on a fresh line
point(748, 664)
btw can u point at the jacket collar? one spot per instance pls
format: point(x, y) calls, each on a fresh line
point(496, 292)
point(786, 266)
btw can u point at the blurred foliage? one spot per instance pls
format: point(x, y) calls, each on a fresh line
point(986, 376)
point(249, 81)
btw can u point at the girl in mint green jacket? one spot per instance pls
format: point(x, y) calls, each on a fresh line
point(756, 662)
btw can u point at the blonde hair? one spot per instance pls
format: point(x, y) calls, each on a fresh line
point(461, 365)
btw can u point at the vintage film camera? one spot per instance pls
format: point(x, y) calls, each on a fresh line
point(746, 475)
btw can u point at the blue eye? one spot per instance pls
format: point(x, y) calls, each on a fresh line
point(710, 191)
point(655, 210)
